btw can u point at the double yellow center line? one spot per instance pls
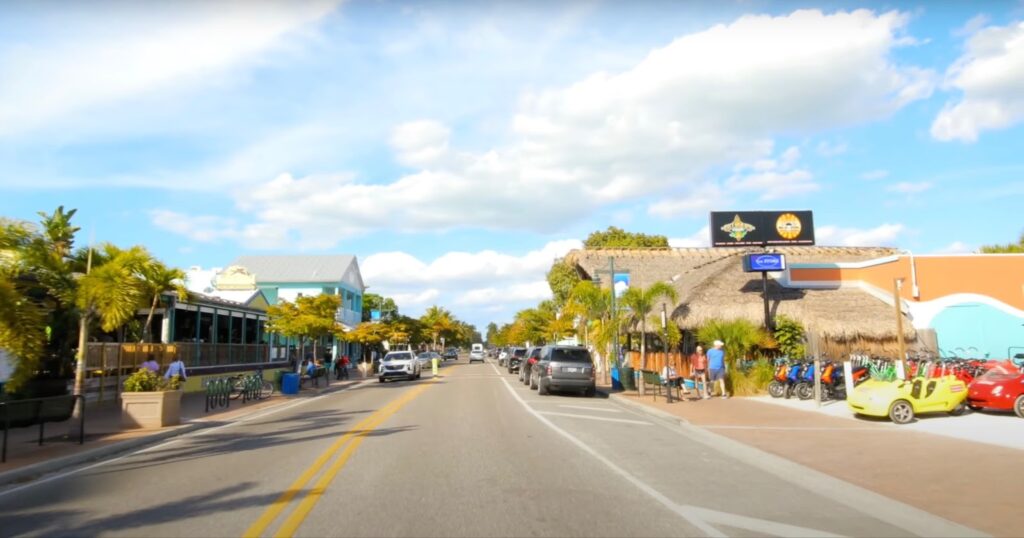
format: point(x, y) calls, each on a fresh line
point(350, 442)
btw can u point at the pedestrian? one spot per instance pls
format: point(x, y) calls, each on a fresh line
point(716, 366)
point(670, 379)
point(176, 368)
point(344, 366)
point(699, 365)
point(151, 364)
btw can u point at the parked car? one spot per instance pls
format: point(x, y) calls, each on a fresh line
point(526, 364)
point(1000, 388)
point(399, 364)
point(900, 400)
point(425, 358)
point(563, 368)
point(502, 356)
point(513, 357)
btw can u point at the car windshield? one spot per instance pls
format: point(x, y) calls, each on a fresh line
point(519, 353)
point(570, 355)
point(1001, 372)
point(397, 357)
point(423, 355)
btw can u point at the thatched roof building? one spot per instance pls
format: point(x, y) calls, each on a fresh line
point(711, 284)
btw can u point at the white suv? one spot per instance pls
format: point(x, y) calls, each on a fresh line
point(399, 364)
point(477, 353)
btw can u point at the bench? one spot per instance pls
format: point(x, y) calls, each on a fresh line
point(29, 412)
point(314, 379)
point(652, 379)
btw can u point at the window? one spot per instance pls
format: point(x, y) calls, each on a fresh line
point(561, 354)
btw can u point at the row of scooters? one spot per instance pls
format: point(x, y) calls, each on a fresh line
point(929, 385)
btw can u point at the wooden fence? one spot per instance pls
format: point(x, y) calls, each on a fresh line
point(656, 361)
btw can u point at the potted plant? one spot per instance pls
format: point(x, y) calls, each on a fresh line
point(150, 401)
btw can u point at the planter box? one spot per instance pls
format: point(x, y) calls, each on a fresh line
point(150, 409)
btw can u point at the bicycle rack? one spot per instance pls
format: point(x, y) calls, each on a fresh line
point(218, 393)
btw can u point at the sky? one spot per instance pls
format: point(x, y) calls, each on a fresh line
point(458, 148)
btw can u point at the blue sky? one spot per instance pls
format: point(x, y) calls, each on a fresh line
point(458, 148)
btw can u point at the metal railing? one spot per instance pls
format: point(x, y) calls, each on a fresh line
point(31, 411)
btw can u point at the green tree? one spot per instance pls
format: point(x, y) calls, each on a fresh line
point(1009, 248)
point(561, 278)
point(739, 335)
point(369, 335)
point(640, 302)
point(387, 306)
point(492, 333)
point(439, 322)
point(309, 319)
point(156, 279)
point(789, 335)
point(618, 238)
point(587, 303)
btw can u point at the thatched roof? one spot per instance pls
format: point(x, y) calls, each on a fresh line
point(711, 284)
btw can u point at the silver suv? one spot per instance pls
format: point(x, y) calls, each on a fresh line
point(563, 368)
point(401, 364)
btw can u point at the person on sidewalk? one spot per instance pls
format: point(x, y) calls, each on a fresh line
point(670, 379)
point(151, 365)
point(176, 368)
point(344, 366)
point(699, 365)
point(716, 366)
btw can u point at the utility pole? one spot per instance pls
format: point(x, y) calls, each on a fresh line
point(897, 303)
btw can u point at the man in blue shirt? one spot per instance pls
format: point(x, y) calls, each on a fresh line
point(716, 366)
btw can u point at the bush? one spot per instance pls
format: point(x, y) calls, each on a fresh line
point(790, 336)
point(751, 380)
point(740, 337)
point(146, 381)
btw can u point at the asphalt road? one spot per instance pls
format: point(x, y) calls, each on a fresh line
point(471, 453)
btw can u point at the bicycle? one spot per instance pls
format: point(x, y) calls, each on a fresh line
point(257, 387)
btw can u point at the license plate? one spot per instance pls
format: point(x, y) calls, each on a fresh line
point(571, 369)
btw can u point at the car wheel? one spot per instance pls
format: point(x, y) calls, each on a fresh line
point(776, 389)
point(381, 379)
point(589, 393)
point(1018, 406)
point(510, 369)
point(960, 409)
point(901, 412)
point(533, 382)
point(542, 389)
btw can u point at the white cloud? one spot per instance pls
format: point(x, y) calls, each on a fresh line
point(708, 99)
point(829, 149)
point(990, 75)
point(956, 247)
point(475, 282)
point(700, 200)
point(873, 175)
point(906, 187)
point(702, 238)
point(883, 235)
point(155, 46)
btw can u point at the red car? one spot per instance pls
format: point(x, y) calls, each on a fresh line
point(1001, 388)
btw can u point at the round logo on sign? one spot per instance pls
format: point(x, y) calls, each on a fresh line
point(788, 226)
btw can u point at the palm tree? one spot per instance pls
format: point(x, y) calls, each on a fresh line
point(587, 303)
point(438, 321)
point(157, 279)
point(641, 302)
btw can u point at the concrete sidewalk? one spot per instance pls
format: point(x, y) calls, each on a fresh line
point(104, 435)
point(971, 483)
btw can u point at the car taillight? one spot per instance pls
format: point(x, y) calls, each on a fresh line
point(549, 370)
point(591, 371)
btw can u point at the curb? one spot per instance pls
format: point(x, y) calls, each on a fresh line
point(646, 409)
point(36, 470)
point(31, 472)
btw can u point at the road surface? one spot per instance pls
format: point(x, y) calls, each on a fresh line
point(471, 453)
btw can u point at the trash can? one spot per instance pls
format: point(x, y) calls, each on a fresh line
point(626, 374)
point(616, 382)
point(290, 384)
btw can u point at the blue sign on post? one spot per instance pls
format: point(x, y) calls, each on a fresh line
point(766, 261)
point(620, 281)
point(374, 315)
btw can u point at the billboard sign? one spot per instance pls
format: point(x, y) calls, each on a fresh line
point(761, 228)
point(769, 261)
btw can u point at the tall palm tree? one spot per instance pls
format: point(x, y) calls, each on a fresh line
point(157, 279)
point(640, 302)
point(587, 303)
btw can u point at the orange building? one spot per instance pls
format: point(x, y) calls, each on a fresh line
point(973, 302)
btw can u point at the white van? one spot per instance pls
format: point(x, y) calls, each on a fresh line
point(476, 353)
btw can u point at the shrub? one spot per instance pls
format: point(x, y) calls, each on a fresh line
point(751, 380)
point(790, 336)
point(740, 337)
point(146, 381)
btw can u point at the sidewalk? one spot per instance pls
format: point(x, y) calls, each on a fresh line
point(104, 435)
point(971, 483)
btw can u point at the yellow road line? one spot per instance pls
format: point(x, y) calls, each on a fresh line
point(362, 428)
point(296, 518)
